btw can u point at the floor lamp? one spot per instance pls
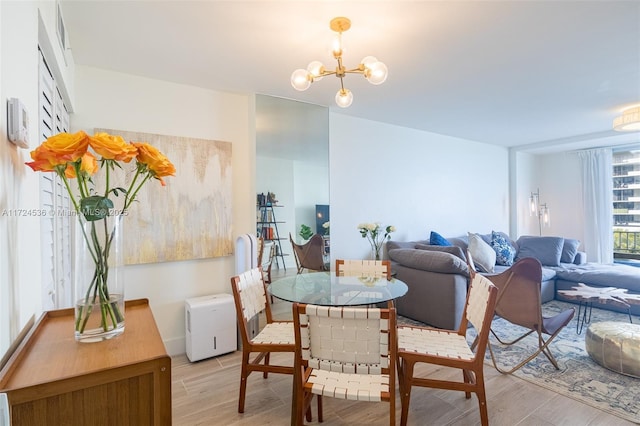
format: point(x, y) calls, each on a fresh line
point(540, 210)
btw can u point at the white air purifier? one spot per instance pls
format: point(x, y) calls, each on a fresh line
point(210, 326)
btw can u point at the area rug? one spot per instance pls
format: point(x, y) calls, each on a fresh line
point(579, 377)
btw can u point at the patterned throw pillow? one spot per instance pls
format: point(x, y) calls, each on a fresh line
point(505, 252)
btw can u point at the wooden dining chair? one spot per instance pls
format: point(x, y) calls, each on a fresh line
point(345, 353)
point(450, 348)
point(375, 268)
point(250, 297)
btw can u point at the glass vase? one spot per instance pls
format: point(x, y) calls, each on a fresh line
point(98, 279)
point(375, 254)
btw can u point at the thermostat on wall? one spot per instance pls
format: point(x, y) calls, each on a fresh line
point(17, 123)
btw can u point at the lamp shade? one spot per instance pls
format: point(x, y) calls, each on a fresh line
point(300, 79)
point(344, 98)
point(316, 68)
point(629, 121)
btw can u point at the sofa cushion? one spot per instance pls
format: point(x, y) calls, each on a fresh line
point(606, 275)
point(436, 239)
point(547, 250)
point(505, 252)
point(454, 250)
point(569, 250)
point(484, 257)
point(434, 261)
point(392, 244)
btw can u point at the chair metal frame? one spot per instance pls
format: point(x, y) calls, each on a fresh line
point(249, 293)
point(450, 348)
point(343, 352)
point(519, 302)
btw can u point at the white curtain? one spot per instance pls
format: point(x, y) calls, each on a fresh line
point(597, 199)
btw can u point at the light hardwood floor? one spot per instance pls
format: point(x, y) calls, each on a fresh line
point(206, 393)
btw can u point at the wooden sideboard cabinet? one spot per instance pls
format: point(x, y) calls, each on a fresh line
point(52, 380)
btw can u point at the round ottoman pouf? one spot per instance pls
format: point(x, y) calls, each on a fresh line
point(615, 345)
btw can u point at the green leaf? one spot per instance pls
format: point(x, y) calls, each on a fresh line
point(116, 191)
point(95, 207)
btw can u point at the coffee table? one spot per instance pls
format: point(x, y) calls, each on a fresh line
point(605, 295)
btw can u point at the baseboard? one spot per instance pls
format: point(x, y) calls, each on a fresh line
point(176, 346)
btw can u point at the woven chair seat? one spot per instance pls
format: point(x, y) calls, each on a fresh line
point(434, 342)
point(357, 387)
point(276, 333)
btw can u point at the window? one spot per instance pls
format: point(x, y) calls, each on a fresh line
point(56, 226)
point(626, 203)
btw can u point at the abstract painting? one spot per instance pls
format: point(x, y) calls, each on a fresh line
point(190, 217)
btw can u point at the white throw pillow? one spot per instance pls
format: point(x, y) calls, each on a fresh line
point(484, 256)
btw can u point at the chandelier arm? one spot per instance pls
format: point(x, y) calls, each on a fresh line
point(354, 71)
point(326, 73)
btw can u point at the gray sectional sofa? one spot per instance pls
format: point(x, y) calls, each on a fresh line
point(437, 275)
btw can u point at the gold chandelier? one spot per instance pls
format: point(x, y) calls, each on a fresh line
point(372, 69)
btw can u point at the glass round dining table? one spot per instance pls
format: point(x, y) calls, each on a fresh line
point(327, 289)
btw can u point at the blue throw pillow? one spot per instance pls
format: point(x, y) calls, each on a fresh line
point(546, 249)
point(436, 239)
point(505, 252)
point(569, 250)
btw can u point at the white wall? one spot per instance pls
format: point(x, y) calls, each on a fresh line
point(119, 101)
point(527, 181)
point(414, 180)
point(21, 32)
point(311, 187)
point(560, 180)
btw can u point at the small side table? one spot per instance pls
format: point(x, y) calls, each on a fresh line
point(586, 295)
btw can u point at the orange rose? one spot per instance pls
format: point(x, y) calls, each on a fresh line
point(65, 147)
point(88, 164)
point(112, 147)
point(45, 160)
point(156, 162)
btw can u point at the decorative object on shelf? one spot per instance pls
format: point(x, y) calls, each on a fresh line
point(99, 288)
point(305, 232)
point(629, 121)
point(372, 69)
point(326, 227)
point(373, 233)
point(540, 210)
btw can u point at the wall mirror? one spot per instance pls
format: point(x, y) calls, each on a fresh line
point(292, 163)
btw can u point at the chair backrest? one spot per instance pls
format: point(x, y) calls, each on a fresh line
point(309, 255)
point(260, 250)
point(369, 268)
point(519, 299)
point(250, 296)
point(480, 306)
point(349, 340)
point(478, 311)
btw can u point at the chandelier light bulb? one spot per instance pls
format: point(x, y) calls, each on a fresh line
point(336, 45)
point(300, 79)
point(367, 61)
point(344, 98)
point(316, 68)
point(376, 73)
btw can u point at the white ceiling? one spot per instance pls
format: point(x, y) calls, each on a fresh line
point(539, 75)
